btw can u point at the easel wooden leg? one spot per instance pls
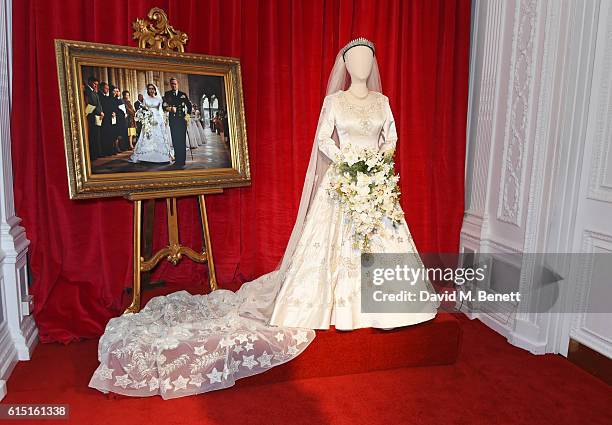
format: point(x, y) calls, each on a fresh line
point(135, 305)
point(173, 238)
point(147, 241)
point(207, 244)
point(174, 251)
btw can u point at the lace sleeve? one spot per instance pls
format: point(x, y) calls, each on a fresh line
point(326, 144)
point(389, 133)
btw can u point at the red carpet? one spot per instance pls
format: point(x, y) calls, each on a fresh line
point(491, 383)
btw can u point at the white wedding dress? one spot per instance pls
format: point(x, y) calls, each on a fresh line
point(155, 141)
point(323, 283)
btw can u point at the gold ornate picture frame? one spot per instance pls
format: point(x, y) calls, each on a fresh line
point(218, 161)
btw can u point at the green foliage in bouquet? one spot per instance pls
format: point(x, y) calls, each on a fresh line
point(364, 181)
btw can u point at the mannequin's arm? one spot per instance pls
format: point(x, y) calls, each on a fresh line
point(389, 132)
point(326, 144)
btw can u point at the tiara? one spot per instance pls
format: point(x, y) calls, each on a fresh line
point(358, 42)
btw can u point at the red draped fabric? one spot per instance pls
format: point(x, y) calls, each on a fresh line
point(81, 251)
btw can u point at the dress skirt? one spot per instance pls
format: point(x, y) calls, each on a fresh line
point(323, 282)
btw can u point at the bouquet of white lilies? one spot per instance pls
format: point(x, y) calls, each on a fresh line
point(145, 117)
point(364, 181)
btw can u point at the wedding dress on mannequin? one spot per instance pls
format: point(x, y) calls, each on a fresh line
point(183, 344)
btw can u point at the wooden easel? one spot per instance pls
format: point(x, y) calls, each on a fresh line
point(174, 251)
point(156, 34)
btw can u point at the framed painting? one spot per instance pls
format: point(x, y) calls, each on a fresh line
point(138, 120)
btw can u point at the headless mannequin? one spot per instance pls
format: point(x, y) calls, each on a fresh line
point(359, 61)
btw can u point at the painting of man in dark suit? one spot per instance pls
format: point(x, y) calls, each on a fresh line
point(178, 106)
point(108, 133)
point(94, 112)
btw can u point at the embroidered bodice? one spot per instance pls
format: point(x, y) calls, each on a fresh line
point(367, 125)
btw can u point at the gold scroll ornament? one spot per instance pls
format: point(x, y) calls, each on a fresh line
point(156, 33)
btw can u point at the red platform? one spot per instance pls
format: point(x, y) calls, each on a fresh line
point(436, 342)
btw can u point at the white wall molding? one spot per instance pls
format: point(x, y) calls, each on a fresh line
point(8, 356)
point(506, 57)
point(573, 97)
point(18, 333)
point(592, 333)
point(486, 54)
point(600, 185)
point(527, 332)
point(518, 111)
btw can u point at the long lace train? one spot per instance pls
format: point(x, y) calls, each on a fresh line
point(183, 344)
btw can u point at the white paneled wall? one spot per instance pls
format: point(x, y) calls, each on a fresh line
point(539, 160)
point(18, 333)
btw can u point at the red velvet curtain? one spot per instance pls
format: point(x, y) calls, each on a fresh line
point(80, 252)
